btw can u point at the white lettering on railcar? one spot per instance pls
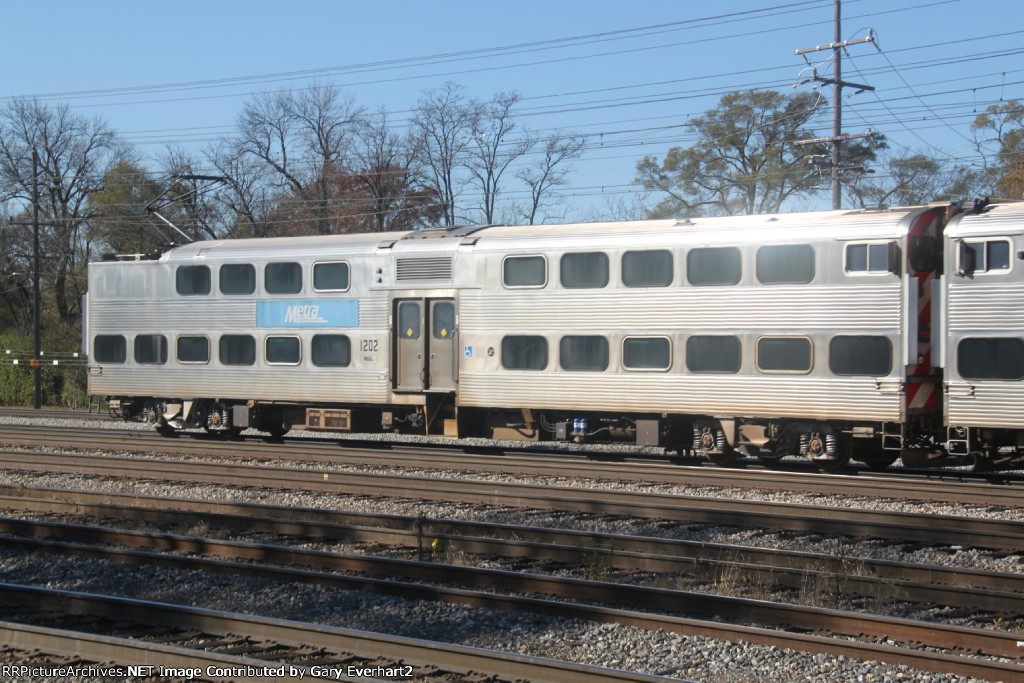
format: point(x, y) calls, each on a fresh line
point(303, 313)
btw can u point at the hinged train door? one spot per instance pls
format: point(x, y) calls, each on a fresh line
point(425, 344)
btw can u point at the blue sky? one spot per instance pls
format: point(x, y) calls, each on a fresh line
point(178, 73)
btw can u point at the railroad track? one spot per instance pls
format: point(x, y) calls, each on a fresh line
point(996, 490)
point(687, 613)
point(192, 638)
point(887, 581)
point(916, 527)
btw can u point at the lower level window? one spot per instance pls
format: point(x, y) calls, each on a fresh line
point(583, 353)
point(646, 353)
point(784, 354)
point(283, 350)
point(193, 350)
point(151, 349)
point(524, 352)
point(990, 358)
point(714, 354)
point(860, 355)
point(109, 348)
point(331, 350)
point(238, 349)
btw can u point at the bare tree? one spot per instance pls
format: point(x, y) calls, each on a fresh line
point(494, 148)
point(445, 123)
point(551, 171)
point(303, 138)
point(392, 192)
point(75, 154)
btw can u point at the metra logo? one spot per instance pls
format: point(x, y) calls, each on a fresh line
point(303, 313)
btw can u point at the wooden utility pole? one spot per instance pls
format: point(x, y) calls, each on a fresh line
point(837, 46)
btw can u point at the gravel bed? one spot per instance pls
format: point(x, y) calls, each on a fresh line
point(689, 658)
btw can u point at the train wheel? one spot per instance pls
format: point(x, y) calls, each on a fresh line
point(163, 429)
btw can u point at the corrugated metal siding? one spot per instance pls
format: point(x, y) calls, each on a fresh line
point(775, 396)
point(994, 404)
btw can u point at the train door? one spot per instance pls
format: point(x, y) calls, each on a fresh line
point(425, 344)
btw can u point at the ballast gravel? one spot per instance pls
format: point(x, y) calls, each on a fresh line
point(691, 658)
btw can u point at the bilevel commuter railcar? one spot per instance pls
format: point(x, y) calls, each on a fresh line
point(982, 345)
point(775, 335)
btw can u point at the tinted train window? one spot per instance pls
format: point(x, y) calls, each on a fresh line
point(646, 353)
point(283, 350)
point(585, 270)
point(282, 278)
point(713, 354)
point(784, 354)
point(442, 320)
point(524, 353)
point(109, 348)
point(151, 349)
point(237, 278)
point(237, 349)
point(193, 350)
point(583, 353)
point(860, 355)
point(330, 277)
point(714, 266)
point(990, 358)
point(984, 257)
point(647, 268)
point(785, 264)
point(867, 258)
point(524, 271)
point(190, 280)
point(331, 350)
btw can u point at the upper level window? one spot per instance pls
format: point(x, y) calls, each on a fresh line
point(585, 270)
point(193, 350)
point(109, 348)
point(785, 264)
point(583, 353)
point(984, 257)
point(647, 268)
point(190, 280)
point(237, 278)
point(784, 354)
point(330, 277)
point(524, 271)
point(868, 258)
point(646, 353)
point(524, 352)
point(282, 278)
point(151, 349)
point(714, 266)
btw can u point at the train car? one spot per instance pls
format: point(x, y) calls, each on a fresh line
point(982, 347)
point(769, 335)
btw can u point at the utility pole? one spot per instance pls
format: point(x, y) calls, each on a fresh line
point(36, 354)
point(837, 46)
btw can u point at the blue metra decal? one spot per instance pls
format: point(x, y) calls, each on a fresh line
point(307, 313)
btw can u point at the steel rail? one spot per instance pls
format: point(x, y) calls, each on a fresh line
point(997, 592)
point(372, 646)
point(723, 609)
point(127, 652)
point(918, 527)
point(1001, 491)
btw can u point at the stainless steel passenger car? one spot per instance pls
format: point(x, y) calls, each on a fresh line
point(773, 335)
point(982, 347)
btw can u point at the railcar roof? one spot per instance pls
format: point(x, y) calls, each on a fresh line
point(768, 227)
point(1001, 219)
